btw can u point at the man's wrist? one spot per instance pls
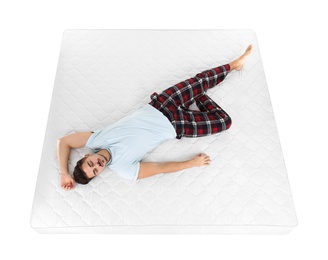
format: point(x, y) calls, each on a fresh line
point(191, 163)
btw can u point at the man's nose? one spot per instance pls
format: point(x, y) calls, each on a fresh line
point(95, 165)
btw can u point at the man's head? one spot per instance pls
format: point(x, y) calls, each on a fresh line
point(88, 167)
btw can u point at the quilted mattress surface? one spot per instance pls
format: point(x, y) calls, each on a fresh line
point(102, 76)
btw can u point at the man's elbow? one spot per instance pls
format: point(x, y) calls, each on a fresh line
point(60, 141)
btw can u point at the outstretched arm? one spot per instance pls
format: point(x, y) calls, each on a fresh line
point(64, 146)
point(148, 169)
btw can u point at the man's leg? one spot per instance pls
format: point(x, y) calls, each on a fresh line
point(211, 119)
point(174, 101)
point(208, 105)
point(185, 92)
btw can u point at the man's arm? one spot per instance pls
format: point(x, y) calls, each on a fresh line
point(148, 169)
point(64, 146)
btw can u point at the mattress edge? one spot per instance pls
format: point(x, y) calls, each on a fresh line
point(169, 229)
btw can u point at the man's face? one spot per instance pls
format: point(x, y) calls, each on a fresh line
point(93, 165)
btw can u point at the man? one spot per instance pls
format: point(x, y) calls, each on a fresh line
point(122, 146)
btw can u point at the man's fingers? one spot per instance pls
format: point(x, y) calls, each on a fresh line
point(207, 159)
point(204, 159)
point(67, 187)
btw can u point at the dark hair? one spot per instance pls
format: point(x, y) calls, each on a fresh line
point(79, 175)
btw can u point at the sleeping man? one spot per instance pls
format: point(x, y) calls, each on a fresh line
point(122, 145)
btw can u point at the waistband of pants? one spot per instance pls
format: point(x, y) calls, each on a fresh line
point(164, 110)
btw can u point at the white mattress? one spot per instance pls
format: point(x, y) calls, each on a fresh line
point(104, 75)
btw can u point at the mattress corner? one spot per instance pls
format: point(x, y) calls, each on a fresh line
point(252, 32)
point(67, 31)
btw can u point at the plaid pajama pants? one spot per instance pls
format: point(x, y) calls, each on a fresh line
point(174, 103)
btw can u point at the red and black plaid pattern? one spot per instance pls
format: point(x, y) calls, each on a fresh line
point(174, 103)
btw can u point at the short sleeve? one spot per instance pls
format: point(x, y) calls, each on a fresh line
point(91, 143)
point(128, 172)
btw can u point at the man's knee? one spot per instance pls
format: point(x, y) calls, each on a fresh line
point(228, 122)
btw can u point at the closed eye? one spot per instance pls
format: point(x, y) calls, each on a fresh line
point(90, 163)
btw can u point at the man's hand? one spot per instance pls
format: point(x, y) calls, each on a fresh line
point(201, 160)
point(67, 182)
point(64, 146)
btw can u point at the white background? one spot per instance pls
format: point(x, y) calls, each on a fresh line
point(294, 54)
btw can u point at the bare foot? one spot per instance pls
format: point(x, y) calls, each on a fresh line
point(238, 63)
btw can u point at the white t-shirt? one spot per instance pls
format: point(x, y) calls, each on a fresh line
point(131, 138)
